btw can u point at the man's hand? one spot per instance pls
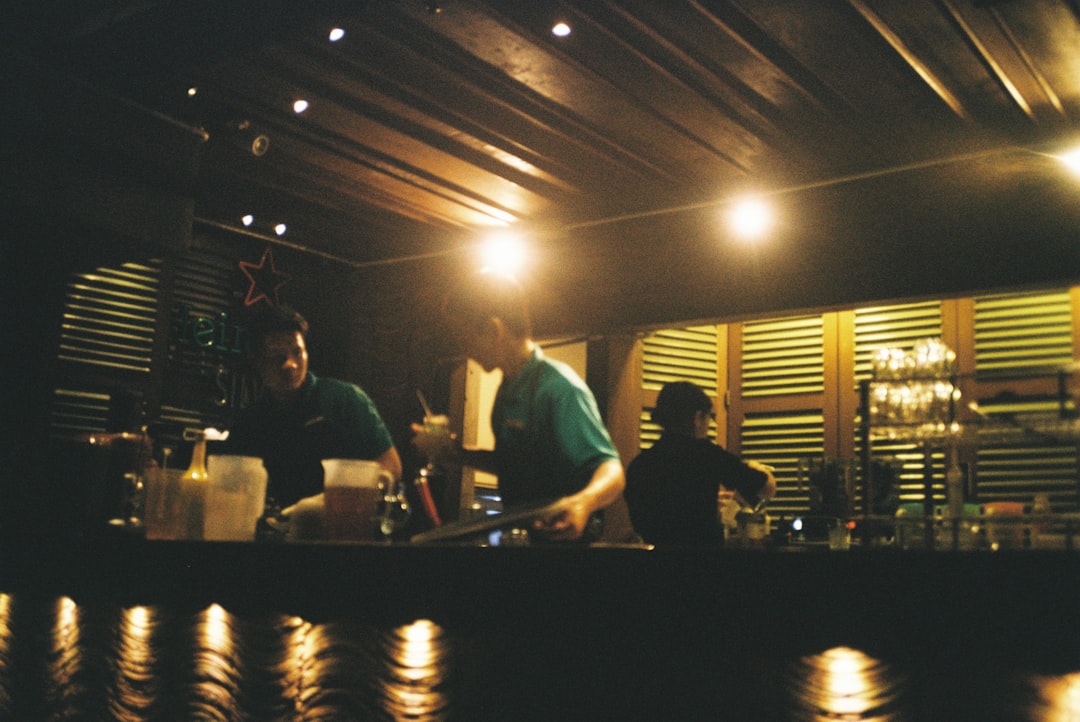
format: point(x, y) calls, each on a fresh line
point(434, 440)
point(568, 517)
point(565, 520)
point(769, 490)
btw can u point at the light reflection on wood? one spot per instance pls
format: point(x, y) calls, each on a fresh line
point(63, 661)
point(1058, 698)
point(846, 684)
point(6, 661)
point(417, 660)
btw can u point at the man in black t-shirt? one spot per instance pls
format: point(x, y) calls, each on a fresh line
point(673, 489)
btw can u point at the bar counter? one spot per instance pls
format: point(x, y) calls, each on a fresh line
point(545, 631)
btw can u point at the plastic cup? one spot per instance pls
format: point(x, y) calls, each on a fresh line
point(353, 489)
point(236, 495)
point(1004, 527)
point(162, 517)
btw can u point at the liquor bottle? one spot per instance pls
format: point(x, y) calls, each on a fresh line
point(954, 485)
point(194, 486)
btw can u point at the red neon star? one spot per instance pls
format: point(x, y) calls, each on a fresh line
point(264, 281)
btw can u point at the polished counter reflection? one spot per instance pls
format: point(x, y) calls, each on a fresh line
point(60, 661)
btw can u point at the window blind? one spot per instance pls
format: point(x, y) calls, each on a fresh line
point(898, 326)
point(782, 440)
point(1024, 446)
point(783, 356)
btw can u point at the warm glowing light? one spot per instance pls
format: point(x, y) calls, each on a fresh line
point(336, 34)
point(844, 683)
point(422, 630)
point(560, 30)
point(503, 253)
point(216, 633)
point(417, 655)
point(5, 624)
point(299, 106)
point(67, 614)
point(138, 618)
point(134, 651)
point(1060, 697)
point(750, 217)
point(1072, 161)
point(280, 229)
point(248, 219)
point(192, 91)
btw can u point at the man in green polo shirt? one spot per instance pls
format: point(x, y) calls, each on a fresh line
point(550, 442)
point(302, 419)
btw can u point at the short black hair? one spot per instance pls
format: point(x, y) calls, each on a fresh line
point(479, 296)
point(271, 320)
point(677, 403)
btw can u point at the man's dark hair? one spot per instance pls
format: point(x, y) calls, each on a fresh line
point(677, 403)
point(269, 321)
point(480, 296)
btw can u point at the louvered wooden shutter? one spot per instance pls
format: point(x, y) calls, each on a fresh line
point(109, 318)
point(686, 354)
point(782, 358)
point(899, 326)
point(106, 341)
point(108, 335)
point(1022, 334)
point(1025, 449)
point(782, 440)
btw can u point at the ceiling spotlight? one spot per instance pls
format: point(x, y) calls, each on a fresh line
point(248, 219)
point(192, 91)
point(336, 34)
point(503, 253)
point(280, 229)
point(560, 30)
point(432, 7)
point(299, 106)
point(750, 217)
point(1071, 160)
point(259, 145)
point(250, 139)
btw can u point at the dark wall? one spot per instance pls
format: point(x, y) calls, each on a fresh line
point(1000, 223)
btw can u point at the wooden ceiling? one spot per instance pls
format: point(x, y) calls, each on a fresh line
point(430, 122)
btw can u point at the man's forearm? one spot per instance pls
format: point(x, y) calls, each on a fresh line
point(605, 486)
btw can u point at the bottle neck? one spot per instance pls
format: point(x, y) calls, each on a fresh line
point(198, 456)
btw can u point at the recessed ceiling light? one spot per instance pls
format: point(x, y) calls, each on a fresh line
point(299, 106)
point(248, 219)
point(560, 30)
point(336, 34)
point(280, 229)
point(192, 91)
point(750, 217)
point(504, 252)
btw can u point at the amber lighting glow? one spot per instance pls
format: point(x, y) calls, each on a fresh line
point(1059, 698)
point(1071, 159)
point(417, 666)
point(503, 253)
point(844, 683)
point(216, 630)
point(750, 218)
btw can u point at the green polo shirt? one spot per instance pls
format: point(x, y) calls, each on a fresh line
point(549, 437)
point(332, 419)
